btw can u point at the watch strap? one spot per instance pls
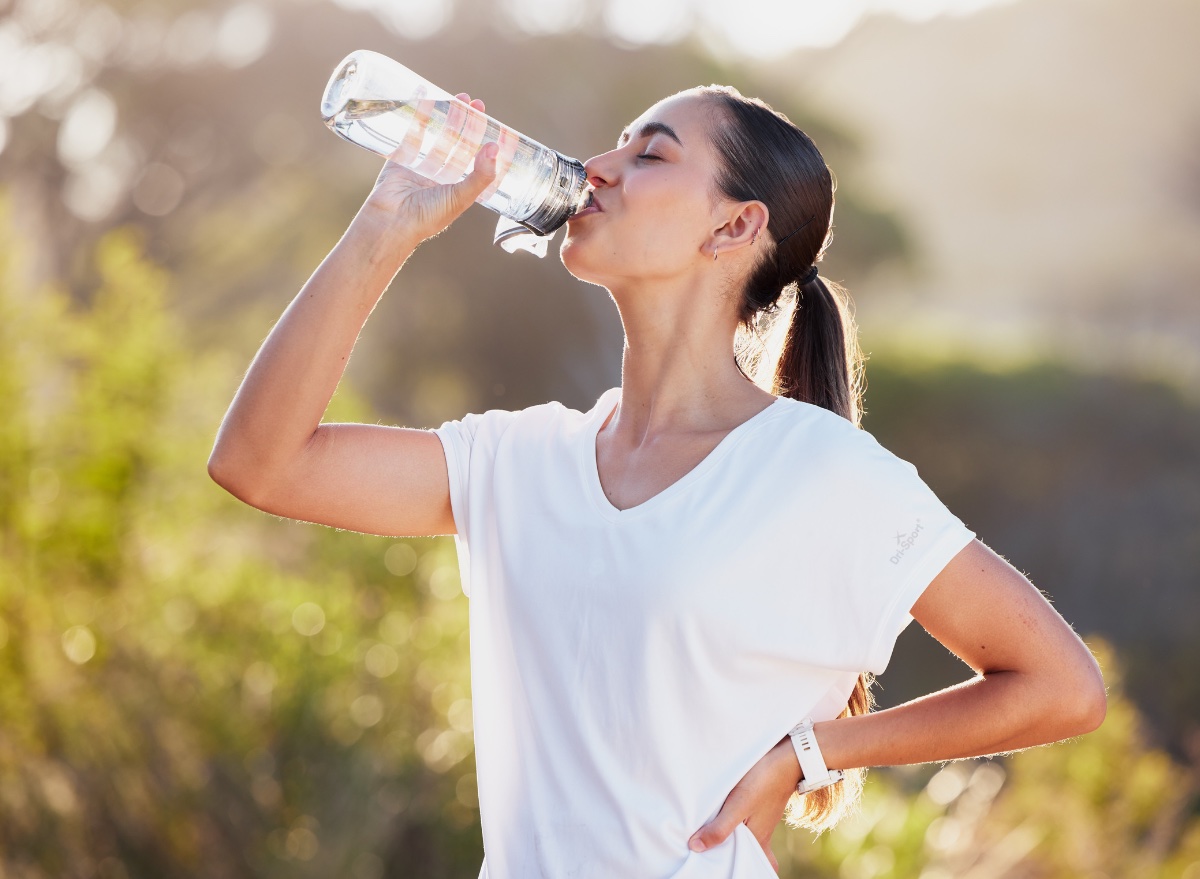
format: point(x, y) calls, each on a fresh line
point(812, 764)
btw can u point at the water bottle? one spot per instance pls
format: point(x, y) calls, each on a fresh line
point(380, 105)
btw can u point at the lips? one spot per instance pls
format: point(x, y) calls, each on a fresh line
point(593, 206)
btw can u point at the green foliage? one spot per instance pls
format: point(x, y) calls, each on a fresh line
point(190, 688)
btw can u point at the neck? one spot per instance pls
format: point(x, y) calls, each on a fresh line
point(677, 371)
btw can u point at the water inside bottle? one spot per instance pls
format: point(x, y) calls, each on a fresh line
point(441, 138)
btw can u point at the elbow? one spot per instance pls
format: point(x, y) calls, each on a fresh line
point(1094, 707)
point(234, 477)
point(221, 470)
point(1086, 703)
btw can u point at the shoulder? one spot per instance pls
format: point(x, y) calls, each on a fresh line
point(803, 427)
point(494, 424)
point(820, 441)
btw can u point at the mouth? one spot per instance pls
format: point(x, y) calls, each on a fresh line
point(591, 207)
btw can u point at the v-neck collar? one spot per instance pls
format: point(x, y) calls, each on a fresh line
point(605, 407)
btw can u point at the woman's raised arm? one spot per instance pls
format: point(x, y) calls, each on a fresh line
point(272, 450)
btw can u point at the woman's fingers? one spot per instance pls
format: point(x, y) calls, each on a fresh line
point(734, 811)
point(719, 828)
point(758, 800)
point(481, 177)
point(466, 99)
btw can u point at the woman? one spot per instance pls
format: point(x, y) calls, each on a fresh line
point(664, 587)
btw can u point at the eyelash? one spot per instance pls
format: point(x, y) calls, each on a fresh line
point(647, 156)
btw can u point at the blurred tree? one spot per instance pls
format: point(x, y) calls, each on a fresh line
point(190, 688)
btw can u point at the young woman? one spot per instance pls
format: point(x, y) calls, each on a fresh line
point(663, 588)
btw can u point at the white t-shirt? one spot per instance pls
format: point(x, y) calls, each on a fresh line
point(629, 666)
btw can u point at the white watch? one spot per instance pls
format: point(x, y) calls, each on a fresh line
point(816, 774)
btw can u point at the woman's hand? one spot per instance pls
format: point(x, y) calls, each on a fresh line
point(404, 199)
point(758, 801)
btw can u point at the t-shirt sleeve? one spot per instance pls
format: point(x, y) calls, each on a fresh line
point(470, 446)
point(896, 536)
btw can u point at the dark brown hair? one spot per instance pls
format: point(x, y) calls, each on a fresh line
point(766, 158)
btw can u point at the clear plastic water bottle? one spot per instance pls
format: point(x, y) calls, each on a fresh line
point(380, 105)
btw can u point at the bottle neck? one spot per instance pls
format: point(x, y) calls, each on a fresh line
point(566, 197)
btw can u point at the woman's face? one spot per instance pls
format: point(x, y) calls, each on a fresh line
point(654, 194)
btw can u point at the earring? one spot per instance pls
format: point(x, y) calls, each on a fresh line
point(714, 256)
point(754, 240)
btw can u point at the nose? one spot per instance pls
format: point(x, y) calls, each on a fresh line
point(600, 170)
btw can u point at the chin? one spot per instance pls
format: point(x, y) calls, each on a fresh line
point(573, 254)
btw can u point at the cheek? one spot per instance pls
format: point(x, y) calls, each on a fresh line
point(658, 229)
point(672, 215)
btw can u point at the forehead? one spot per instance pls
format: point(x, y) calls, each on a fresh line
point(685, 115)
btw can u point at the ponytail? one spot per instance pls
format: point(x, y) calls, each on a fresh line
point(821, 362)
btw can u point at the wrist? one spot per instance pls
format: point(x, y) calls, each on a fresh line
point(815, 773)
point(376, 237)
point(787, 766)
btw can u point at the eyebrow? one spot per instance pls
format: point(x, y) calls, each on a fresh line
point(649, 129)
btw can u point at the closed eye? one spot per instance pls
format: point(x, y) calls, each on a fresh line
point(650, 157)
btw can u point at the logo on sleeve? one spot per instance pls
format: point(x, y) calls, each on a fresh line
point(904, 542)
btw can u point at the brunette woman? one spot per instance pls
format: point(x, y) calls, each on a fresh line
point(677, 597)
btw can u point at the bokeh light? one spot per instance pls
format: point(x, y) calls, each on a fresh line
point(79, 644)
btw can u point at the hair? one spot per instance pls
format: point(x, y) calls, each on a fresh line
point(764, 157)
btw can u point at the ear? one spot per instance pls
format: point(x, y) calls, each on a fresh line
point(743, 223)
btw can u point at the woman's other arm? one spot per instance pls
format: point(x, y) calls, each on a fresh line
point(1036, 682)
point(272, 450)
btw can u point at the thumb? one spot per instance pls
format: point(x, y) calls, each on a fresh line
point(481, 177)
point(715, 831)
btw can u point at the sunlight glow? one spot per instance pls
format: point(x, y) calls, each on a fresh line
point(244, 34)
point(772, 27)
point(637, 23)
point(413, 19)
point(766, 28)
point(87, 128)
point(538, 17)
point(753, 28)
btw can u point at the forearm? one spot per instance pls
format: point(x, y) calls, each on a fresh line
point(287, 389)
point(990, 714)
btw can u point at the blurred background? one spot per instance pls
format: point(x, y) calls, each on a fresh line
point(191, 689)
